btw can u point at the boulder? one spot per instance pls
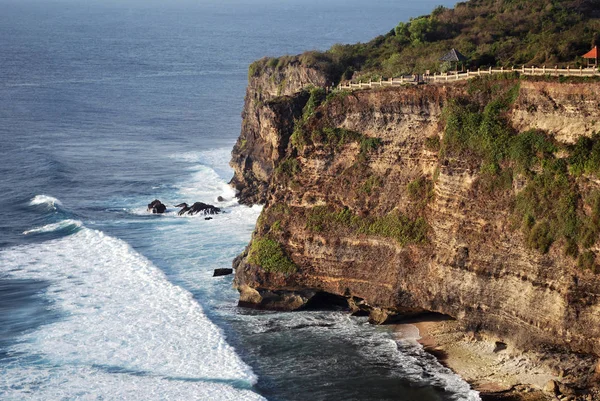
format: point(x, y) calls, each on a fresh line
point(156, 207)
point(378, 316)
point(222, 272)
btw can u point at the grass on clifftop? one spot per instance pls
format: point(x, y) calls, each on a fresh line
point(488, 32)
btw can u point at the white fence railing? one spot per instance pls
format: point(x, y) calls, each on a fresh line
point(458, 76)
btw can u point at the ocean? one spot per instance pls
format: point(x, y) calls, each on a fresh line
point(106, 105)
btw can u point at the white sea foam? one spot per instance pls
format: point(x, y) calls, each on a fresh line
point(45, 200)
point(216, 159)
point(61, 225)
point(39, 383)
point(126, 331)
point(205, 183)
point(407, 359)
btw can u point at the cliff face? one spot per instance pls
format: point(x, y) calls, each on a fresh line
point(267, 124)
point(369, 202)
point(566, 110)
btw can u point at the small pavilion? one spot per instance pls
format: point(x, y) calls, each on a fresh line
point(454, 57)
point(592, 55)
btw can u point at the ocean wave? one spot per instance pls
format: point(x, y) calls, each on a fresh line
point(406, 359)
point(206, 185)
point(202, 184)
point(134, 323)
point(68, 224)
point(45, 200)
point(216, 159)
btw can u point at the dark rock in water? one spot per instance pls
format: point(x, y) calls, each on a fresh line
point(222, 272)
point(220, 199)
point(156, 207)
point(198, 207)
point(208, 218)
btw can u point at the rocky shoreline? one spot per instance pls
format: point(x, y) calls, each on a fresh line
point(498, 371)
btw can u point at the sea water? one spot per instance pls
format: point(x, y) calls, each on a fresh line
point(107, 105)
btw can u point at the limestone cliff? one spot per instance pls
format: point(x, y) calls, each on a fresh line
point(274, 100)
point(375, 198)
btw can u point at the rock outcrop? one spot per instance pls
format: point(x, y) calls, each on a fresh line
point(367, 204)
point(197, 208)
point(274, 100)
point(156, 207)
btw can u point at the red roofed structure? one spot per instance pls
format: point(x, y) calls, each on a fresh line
point(592, 54)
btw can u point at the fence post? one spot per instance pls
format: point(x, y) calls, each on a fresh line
point(556, 69)
point(544, 70)
point(568, 69)
point(490, 70)
point(478, 71)
point(580, 70)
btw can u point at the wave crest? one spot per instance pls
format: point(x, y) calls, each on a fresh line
point(45, 200)
point(69, 224)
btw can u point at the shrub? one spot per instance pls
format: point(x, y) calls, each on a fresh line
point(548, 208)
point(399, 227)
point(268, 254)
point(587, 261)
point(317, 96)
point(551, 200)
point(480, 132)
point(585, 156)
point(288, 168)
point(368, 144)
point(420, 189)
point(371, 183)
point(529, 148)
point(298, 137)
point(432, 143)
point(540, 237)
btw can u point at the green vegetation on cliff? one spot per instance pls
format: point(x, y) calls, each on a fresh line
point(330, 137)
point(395, 225)
point(552, 205)
point(489, 32)
point(269, 254)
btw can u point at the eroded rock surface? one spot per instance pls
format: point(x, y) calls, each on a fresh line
point(474, 265)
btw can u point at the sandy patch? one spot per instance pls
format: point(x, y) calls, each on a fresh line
point(493, 368)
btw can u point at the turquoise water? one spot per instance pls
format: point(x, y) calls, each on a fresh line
point(107, 105)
